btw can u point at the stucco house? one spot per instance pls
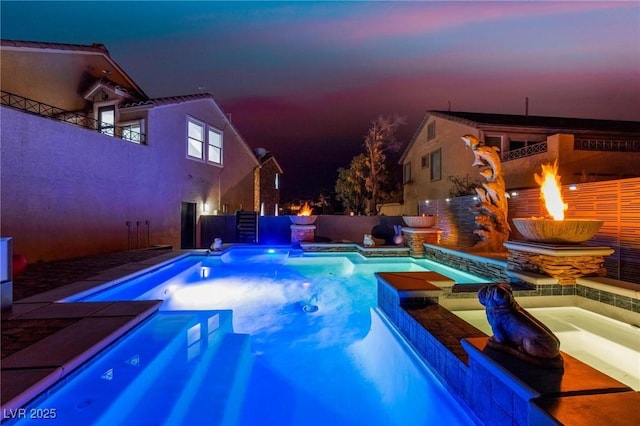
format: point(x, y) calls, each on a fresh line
point(91, 164)
point(585, 149)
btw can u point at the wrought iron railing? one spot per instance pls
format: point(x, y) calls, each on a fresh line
point(525, 151)
point(49, 111)
point(620, 145)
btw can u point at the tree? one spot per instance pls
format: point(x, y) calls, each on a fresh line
point(380, 139)
point(350, 186)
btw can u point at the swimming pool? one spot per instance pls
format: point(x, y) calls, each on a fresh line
point(259, 337)
point(610, 346)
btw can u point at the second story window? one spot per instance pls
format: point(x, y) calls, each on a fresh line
point(195, 137)
point(107, 119)
point(215, 147)
point(132, 132)
point(436, 164)
point(493, 141)
point(204, 142)
point(431, 130)
point(277, 182)
point(406, 173)
point(424, 161)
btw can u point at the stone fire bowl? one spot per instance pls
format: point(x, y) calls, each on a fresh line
point(303, 220)
point(568, 231)
point(420, 221)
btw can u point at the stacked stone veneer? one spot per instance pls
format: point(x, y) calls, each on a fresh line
point(564, 268)
point(415, 238)
point(492, 269)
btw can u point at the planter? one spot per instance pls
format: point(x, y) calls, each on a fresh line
point(420, 221)
point(568, 231)
point(303, 220)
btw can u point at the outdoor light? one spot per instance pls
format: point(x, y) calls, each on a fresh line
point(573, 187)
point(205, 207)
point(514, 193)
point(447, 199)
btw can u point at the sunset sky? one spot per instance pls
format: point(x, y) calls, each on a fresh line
point(305, 79)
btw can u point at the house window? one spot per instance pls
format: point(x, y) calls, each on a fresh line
point(215, 147)
point(107, 119)
point(132, 132)
point(431, 130)
point(195, 139)
point(493, 141)
point(424, 161)
point(277, 182)
point(517, 145)
point(203, 142)
point(436, 161)
point(406, 173)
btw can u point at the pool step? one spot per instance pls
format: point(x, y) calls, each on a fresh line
point(215, 392)
point(199, 377)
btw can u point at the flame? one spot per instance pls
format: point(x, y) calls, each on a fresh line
point(550, 188)
point(305, 210)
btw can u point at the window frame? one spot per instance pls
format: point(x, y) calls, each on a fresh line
point(106, 127)
point(191, 120)
point(495, 137)
point(211, 146)
point(406, 173)
point(431, 130)
point(126, 126)
point(424, 161)
point(206, 144)
point(436, 166)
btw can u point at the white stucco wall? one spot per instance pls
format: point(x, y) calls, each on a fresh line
point(69, 191)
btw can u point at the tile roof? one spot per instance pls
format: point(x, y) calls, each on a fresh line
point(170, 100)
point(476, 119)
point(95, 47)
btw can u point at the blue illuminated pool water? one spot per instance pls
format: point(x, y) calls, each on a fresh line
point(259, 338)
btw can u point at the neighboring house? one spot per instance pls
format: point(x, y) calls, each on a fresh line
point(585, 149)
point(267, 183)
point(91, 164)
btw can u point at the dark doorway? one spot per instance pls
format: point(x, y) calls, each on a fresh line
point(188, 226)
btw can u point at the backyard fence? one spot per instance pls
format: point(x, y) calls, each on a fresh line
point(616, 202)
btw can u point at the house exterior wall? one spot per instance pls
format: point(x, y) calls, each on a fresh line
point(456, 160)
point(227, 188)
point(574, 165)
point(68, 191)
point(269, 195)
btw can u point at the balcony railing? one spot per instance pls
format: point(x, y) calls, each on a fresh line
point(619, 145)
point(525, 151)
point(44, 110)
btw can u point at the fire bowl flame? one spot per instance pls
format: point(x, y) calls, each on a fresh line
point(567, 231)
point(303, 220)
point(420, 221)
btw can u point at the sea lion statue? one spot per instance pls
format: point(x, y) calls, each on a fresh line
point(516, 331)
